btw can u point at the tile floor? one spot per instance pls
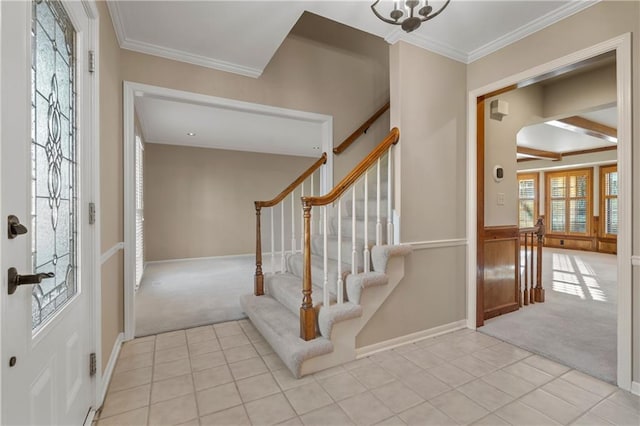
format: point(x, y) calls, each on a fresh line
point(226, 374)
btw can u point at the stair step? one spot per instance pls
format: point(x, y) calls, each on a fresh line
point(281, 329)
point(317, 247)
point(295, 265)
point(371, 226)
point(287, 289)
point(372, 206)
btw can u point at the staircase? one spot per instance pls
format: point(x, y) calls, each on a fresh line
point(344, 272)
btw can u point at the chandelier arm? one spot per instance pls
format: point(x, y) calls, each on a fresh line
point(389, 21)
point(426, 18)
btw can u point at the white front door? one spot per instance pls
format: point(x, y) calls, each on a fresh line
point(46, 181)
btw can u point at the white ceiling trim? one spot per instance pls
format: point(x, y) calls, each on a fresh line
point(530, 28)
point(427, 43)
point(176, 55)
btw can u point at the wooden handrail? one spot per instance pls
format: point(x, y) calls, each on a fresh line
point(315, 166)
point(362, 129)
point(391, 139)
point(259, 276)
point(308, 322)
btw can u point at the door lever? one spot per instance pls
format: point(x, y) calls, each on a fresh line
point(14, 279)
point(15, 228)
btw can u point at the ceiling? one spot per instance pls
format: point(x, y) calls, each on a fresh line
point(548, 136)
point(240, 127)
point(242, 36)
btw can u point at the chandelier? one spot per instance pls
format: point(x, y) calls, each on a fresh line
point(412, 21)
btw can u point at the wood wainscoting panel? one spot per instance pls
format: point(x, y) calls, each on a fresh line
point(570, 242)
point(501, 263)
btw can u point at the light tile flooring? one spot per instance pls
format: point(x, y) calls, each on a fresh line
point(226, 374)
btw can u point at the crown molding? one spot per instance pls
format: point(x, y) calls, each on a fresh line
point(190, 58)
point(116, 19)
point(174, 54)
point(448, 51)
point(426, 43)
point(536, 25)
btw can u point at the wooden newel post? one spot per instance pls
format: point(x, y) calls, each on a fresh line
point(539, 290)
point(307, 313)
point(259, 278)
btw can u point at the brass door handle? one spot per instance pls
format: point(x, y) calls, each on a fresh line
point(15, 228)
point(14, 279)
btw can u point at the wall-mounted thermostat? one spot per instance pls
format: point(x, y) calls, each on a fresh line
point(498, 173)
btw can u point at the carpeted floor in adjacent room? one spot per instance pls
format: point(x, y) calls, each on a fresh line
point(183, 294)
point(577, 323)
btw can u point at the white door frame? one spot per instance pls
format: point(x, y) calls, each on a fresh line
point(92, 161)
point(622, 46)
point(131, 90)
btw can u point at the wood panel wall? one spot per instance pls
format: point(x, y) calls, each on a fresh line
point(501, 264)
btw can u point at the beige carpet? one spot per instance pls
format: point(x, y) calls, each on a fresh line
point(577, 324)
point(188, 293)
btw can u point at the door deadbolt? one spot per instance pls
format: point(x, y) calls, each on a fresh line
point(14, 227)
point(14, 279)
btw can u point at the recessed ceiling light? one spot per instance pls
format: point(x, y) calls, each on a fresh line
point(190, 134)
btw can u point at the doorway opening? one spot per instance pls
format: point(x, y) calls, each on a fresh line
point(194, 165)
point(582, 222)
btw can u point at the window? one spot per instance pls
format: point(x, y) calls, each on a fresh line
point(527, 199)
point(54, 159)
point(609, 201)
point(569, 201)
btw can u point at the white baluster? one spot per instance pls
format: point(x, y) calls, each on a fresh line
point(389, 213)
point(301, 220)
point(273, 242)
point(340, 283)
point(293, 222)
point(354, 250)
point(282, 260)
point(313, 189)
point(378, 221)
point(325, 283)
point(365, 253)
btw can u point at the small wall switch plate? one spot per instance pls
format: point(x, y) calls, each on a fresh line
point(501, 198)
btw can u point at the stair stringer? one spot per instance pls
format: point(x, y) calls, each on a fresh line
point(344, 333)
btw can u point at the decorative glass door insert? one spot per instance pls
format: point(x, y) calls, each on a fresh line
point(53, 158)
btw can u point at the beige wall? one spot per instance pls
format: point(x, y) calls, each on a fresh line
point(111, 183)
point(580, 93)
point(112, 298)
point(428, 105)
point(604, 21)
point(525, 107)
point(199, 202)
point(305, 75)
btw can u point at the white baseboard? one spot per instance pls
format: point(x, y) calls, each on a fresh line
point(108, 371)
point(409, 338)
point(635, 388)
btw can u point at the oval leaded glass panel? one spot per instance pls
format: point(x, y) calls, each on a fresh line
point(53, 158)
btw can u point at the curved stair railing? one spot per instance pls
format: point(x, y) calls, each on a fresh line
point(370, 165)
point(298, 186)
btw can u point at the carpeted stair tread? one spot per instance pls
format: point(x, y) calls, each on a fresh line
point(281, 329)
point(287, 289)
point(317, 247)
point(372, 211)
point(295, 265)
point(371, 226)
